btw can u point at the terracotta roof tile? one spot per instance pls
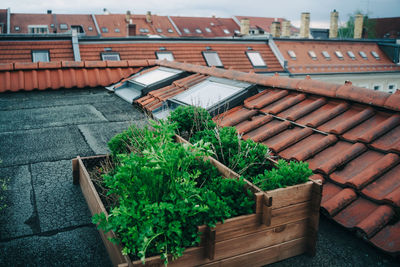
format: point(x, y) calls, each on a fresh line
point(338, 200)
point(389, 141)
point(388, 239)
point(284, 103)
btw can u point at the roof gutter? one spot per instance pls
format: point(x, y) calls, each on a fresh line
point(173, 24)
point(96, 25)
point(277, 53)
point(8, 20)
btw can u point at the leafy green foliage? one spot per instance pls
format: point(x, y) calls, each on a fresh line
point(285, 174)
point(165, 191)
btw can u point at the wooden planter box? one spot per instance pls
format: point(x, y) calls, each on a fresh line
point(285, 224)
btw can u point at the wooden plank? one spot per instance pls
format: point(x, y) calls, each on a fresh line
point(267, 210)
point(210, 247)
point(75, 170)
point(264, 256)
point(313, 223)
point(291, 195)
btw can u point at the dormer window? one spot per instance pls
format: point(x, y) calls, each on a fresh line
point(292, 54)
point(40, 56)
point(312, 55)
point(90, 28)
point(375, 55)
point(351, 55)
point(326, 55)
point(17, 28)
point(363, 55)
point(339, 55)
point(117, 30)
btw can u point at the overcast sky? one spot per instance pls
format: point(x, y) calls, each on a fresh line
point(289, 9)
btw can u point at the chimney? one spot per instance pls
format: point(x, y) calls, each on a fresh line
point(358, 26)
point(276, 29)
point(286, 28)
point(106, 12)
point(148, 17)
point(244, 26)
point(49, 11)
point(333, 29)
point(305, 25)
point(127, 16)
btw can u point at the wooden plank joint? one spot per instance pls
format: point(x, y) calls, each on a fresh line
point(267, 210)
point(210, 243)
point(75, 170)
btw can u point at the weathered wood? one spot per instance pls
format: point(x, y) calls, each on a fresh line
point(267, 210)
point(313, 223)
point(291, 195)
point(75, 170)
point(210, 247)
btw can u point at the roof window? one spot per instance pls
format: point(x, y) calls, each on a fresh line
point(351, 55)
point(198, 30)
point(63, 26)
point(117, 30)
point(363, 55)
point(326, 55)
point(186, 30)
point(170, 30)
point(237, 31)
point(104, 29)
point(208, 29)
point(226, 31)
point(165, 55)
point(312, 55)
point(77, 28)
point(375, 55)
point(159, 30)
point(339, 55)
point(110, 56)
point(256, 60)
point(40, 56)
point(144, 30)
point(212, 59)
point(17, 28)
point(90, 28)
point(292, 54)
point(38, 29)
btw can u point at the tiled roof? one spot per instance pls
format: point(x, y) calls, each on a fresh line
point(84, 20)
point(66, 74)
point(215, 25)
point(16, 51)
point(305, 64)
point(24, 20)
point(3, 20)
point(349, 135)
point(233, 55)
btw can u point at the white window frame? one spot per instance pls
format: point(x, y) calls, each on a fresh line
point(170, 30)
point(339, 55)
point(226, 31)
point(326, 55)
point(105, 55)
point(35, 55)
point(197, 30)
point(312, 54)
point(168, 55)
point(104, 29)
point(208, 29)
point(257, 57)
point(159, 30)
point(292, 54)
point(208, 54)
point(186, 30)
point(36, 28)
point(363, 54)
point(63, 26)
point(375, 55)
point(351, 55)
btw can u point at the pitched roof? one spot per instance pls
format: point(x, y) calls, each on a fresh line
point(303, 63)
point(197, 26)
point(23, 20)
point(232, 54)
point(349, 135)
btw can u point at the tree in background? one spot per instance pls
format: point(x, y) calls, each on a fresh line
point(347, 31)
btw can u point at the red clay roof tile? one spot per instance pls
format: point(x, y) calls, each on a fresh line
point(388, 239)
point(338, 201)
point(355, 213)
point(361, 95)
point(375, 221)
point(270, 129)
point(393, 101)
point(389, 141)
point(255, 122)
point(283, 103)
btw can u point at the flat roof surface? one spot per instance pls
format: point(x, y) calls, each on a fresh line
point(47, 221)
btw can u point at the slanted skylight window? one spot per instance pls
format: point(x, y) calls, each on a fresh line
point(237, 31)
point(186, 30)
point(375, 55)
point(208, 29)
point(326, 55)
point(165, 55)
point(339, 55)
point(117, 30)
point(198, 31)
point(90, 28)
point(292, 54)
point(312, 55)
point(363, 55)
point(351, 55)
point(63, 26)
point(155, 76)
point(226, 31)
point(170, 30)
point(144, 30)
point(159, 30)
point(110, 56)
point(104, 29)
point(256, 60)
point(16, 28)
point(40, 56)
point(212, 59)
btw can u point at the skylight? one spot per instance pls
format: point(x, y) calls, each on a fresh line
point(208, 29)
point(326, 55)
point(212, 59)
point(375, 55)
point(186, 30)
point(117, 30)
point(90, 28)
point(339, 54)
point(198, 30)
point(292, 54)
point(104, 29)
point(226, 31)
point(363, 55)
point(155, 76)
point(256, 59)
point(312, 55)
point(237, 31)
point(40, 56)
point(165, 55)
point(144, 30)
point(159, 30)
point(351, 55)
point(170, 30)
point(110, 56)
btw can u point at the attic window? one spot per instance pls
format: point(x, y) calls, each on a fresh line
point(351, 55)
point(208, 29)
point(110, 56)
point(165, 55)
point(90, 28)
point(186, 30)
point(363, 55)
point(312, 55)
point(326, 55)
point(117, 30)
point(63, 26)
point(40, 56)
point(104, 29)
point(16, 28)
point(292, 54)
point(144, 30)
point(159, 30)
point(198, 30)
point(212, 59)
point(375, 55)
point(170, 30)
point(256, 59)
point(226, 31)
point(155, 76)
point(339, 55)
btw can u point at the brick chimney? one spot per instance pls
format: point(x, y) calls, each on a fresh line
point(305, 25)
point(245, 26)
point(358, 26)
point(127, 16)
point(148, 17)
point(285, 28)
point(276, 29)
point(333, 29)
